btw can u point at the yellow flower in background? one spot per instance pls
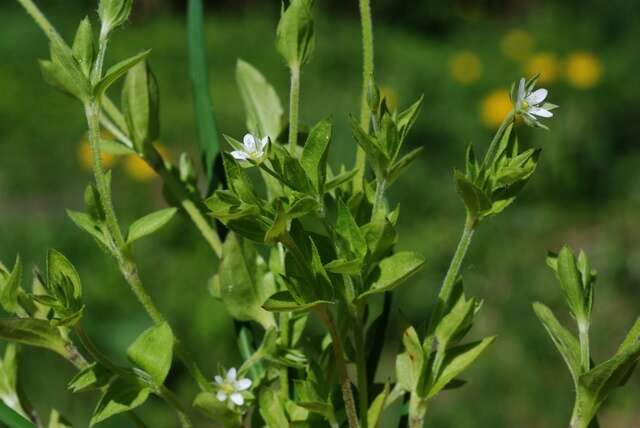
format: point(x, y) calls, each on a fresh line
point(545, 64)
point(466, 67)
point(85, 157)
point(390, 96)
point(517, 44)
point(495, 107)
point(138, 169)
point(583, 69)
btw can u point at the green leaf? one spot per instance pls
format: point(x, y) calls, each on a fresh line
point(60, 271)
point(237, 180)
point(33, 332)
point(152, 351)
point(417, 364)
point(261, 103)
point(86, 223)
point(343, 266)
point(295, 38)
point(565, 342)
point(352, 243)
point(457, 320)
point(457, 360)
point(140, 101)
point(57, 421)
point(570, 283)
point(122, 395)
point(338, 180)
point(393, 271)
point(377, 407)
point(116, 71)
point(149, 224)
point(83, 46)
point(283, 301)
point(64, 72)
point(243, 282)
point(94, 376)
point(314, 154)
point(12, 418)
point(199, 75)
point(271, 409)
point(475, 200)
point(9, 292)
point(401, 165)
point(216, 410)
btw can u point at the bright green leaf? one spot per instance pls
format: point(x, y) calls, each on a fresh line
point(149, 224)
point(152, 351)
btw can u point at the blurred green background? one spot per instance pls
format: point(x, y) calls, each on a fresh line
point(462, 56)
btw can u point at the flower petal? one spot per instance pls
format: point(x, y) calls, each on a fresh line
point(538, 111)
point(219, 379)
point(243, 384)
point(221, 396)
point(237, 398)
point(237, 154)
point(536, 97)
point(262, 144)
point(249, 142)
point(231, 374)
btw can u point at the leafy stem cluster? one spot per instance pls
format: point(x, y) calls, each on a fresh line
point(307, 253)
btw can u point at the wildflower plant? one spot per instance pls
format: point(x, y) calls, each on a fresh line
point(298, 242)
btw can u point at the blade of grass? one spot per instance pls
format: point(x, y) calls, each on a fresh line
point(198, 73)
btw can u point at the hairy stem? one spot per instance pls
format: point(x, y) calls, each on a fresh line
point(454, 269)
point(345, 384)
point(417, 411)
point(367, 80)
point(40, 19)
point(585, 357)
point(294, 106)
point(361, 363)
point(378, 202)
point(488, 157)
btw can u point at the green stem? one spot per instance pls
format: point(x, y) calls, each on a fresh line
point(345, 384)
point(454, 269)
point(488, 157)
point(41, 20)
point(361, 363)
point(181, 194)
point(585, 357)
point(170, 398)
point(285, 317)
point(294, 105)
point(367, 80)
point(417, 411)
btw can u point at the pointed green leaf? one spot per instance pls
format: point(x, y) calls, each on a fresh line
point(122, 395)
point(140, 103)
point(314, 154)
point(94, 376)
point(393, 271)
point(474, 198)
point(60, 270)
point(33, 332)
point(9, 291)
point(458, 359)
point(149, 224)
point(565, 342)
point(83, 46)
point(295, 38)
point(118, 70)
point(283, 301)
point(152, 351)
point(271, 409)
point(377, 407)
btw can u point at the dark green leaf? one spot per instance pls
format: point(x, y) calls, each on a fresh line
point(314, 154)
point(122, 395)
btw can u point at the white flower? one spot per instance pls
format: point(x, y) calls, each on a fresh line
point(230, 388)
point(252, 148)
point(528, 103)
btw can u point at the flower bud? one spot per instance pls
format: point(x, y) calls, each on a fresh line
point(295, 37)
point(113, 13)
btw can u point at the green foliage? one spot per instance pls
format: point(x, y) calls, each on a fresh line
point(140, 104)
point(149, 224)
point(152, 352)
point(593, 383)
point(295, 35)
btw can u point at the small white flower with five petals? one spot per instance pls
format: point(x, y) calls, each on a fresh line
point(252, 148)
point(230, 388)
point(528, 103)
